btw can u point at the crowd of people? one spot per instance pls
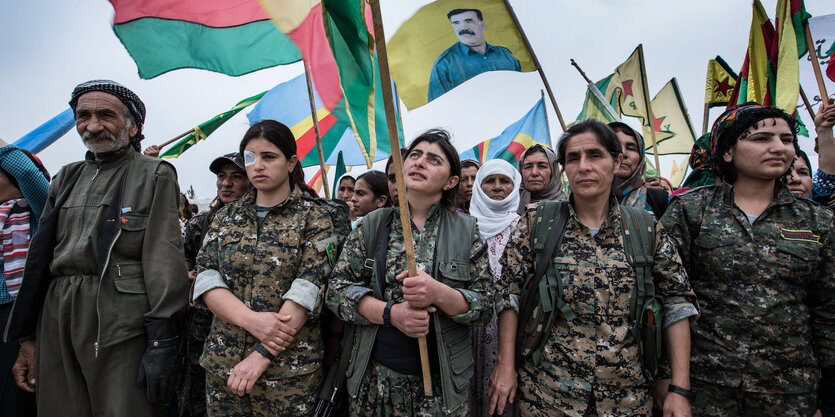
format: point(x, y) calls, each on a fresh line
point(568, 285)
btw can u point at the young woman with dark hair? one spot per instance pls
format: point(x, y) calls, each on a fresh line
point(262, 273)
point(371, 192)
point(761, 264)
point(451, 292)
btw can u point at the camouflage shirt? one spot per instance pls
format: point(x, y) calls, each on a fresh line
point(595, 353)
point(261, 270)
point(194, 234)
point(767, 289)
point(349, 282)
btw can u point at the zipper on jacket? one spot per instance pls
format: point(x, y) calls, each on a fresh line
point(98, 291)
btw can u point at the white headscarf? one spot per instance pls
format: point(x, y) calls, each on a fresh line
point(495, 215)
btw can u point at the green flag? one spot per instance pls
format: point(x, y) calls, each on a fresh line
point(203, 130)
point(340, 170)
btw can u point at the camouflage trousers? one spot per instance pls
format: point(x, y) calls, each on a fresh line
point(193, 392)
point(294, 396)
point(385, 393)
point(543, 393)
point(714, 400)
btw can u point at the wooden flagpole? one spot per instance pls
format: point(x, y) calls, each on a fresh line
point(649, 105)
point(180, 136)
point(806, 103)
point(536, 63)
point(405, 218)
point(705, 118)
point(816, 66)
point(316, 129)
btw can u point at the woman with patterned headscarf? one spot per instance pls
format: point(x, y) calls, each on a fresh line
point(629, 187)
point(540, 177)
point(762, 264)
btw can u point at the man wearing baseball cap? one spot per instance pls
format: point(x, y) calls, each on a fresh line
point(232, 183)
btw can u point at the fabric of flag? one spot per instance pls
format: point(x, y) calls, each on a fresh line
point(677, 173)
point(757, 78)
point(289, 104)
point(830, 68)
point(720, 82)
point(47, 133)
point(515, 139)
point(316, 183)
point(674, 132)
point(630, 78)
point(428, 40)
point(334, 40)
point(786, 50)
point(601, 101)
point(302, 21)
point(203, 130)
point(340, 170)
point(217, 35)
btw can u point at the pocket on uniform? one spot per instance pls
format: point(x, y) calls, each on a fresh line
point(455, 274)
point(129, 243)
point(797, 259)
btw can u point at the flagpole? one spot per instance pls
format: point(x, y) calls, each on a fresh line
point(316, 129)
point(405, 217)
point(536, 63)
point(806, 103)
point(816, 66)
point(180, 136)
point(705, 118)
point(547, 125)
point(649, 105)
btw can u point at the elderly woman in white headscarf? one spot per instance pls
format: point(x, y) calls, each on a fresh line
point(494, 203)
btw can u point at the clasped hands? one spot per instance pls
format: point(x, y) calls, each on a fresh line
point(420, 292)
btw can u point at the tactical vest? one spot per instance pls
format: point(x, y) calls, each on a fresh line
point(541, 299)
point(450, 266)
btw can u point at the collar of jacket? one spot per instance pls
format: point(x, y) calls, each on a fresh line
point(782, 195)
point(112, 159)
point(246, 204)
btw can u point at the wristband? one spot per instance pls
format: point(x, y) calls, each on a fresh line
point(263, 351)
point(387, 313)
point(686, 393)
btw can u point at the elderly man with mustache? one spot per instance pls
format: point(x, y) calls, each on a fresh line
point(105, 275)
point(468, 57)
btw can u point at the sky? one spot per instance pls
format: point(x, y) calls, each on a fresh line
point(50, 46)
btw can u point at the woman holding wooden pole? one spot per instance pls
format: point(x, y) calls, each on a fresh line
point(451, 291)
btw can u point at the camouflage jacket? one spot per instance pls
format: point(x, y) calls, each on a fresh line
point(349, 282)
point(767, 289)
point(195, 233)
point(596, 350)
point(260, 269)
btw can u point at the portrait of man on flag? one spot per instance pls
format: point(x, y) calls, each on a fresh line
point(447, 42)
point(468, 57)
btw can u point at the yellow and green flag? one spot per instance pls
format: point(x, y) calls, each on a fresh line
point(720, 83)
point(674, 132)
point(602, 101)
point(630, 77)
point(203, 130)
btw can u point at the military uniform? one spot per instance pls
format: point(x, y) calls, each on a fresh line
point(767, 292)
point(284, 260)
point(590, 365)
point(193, 394)
point(382, 391)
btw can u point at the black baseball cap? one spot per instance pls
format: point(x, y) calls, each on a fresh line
point(233, 157)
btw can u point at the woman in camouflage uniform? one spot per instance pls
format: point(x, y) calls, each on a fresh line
point(589, 365)
point(761, 263)
point(451, 292)
point(262, 273)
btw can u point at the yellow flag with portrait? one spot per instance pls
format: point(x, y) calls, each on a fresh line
point(447, 42)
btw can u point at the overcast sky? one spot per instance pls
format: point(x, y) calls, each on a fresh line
point(50, 46)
